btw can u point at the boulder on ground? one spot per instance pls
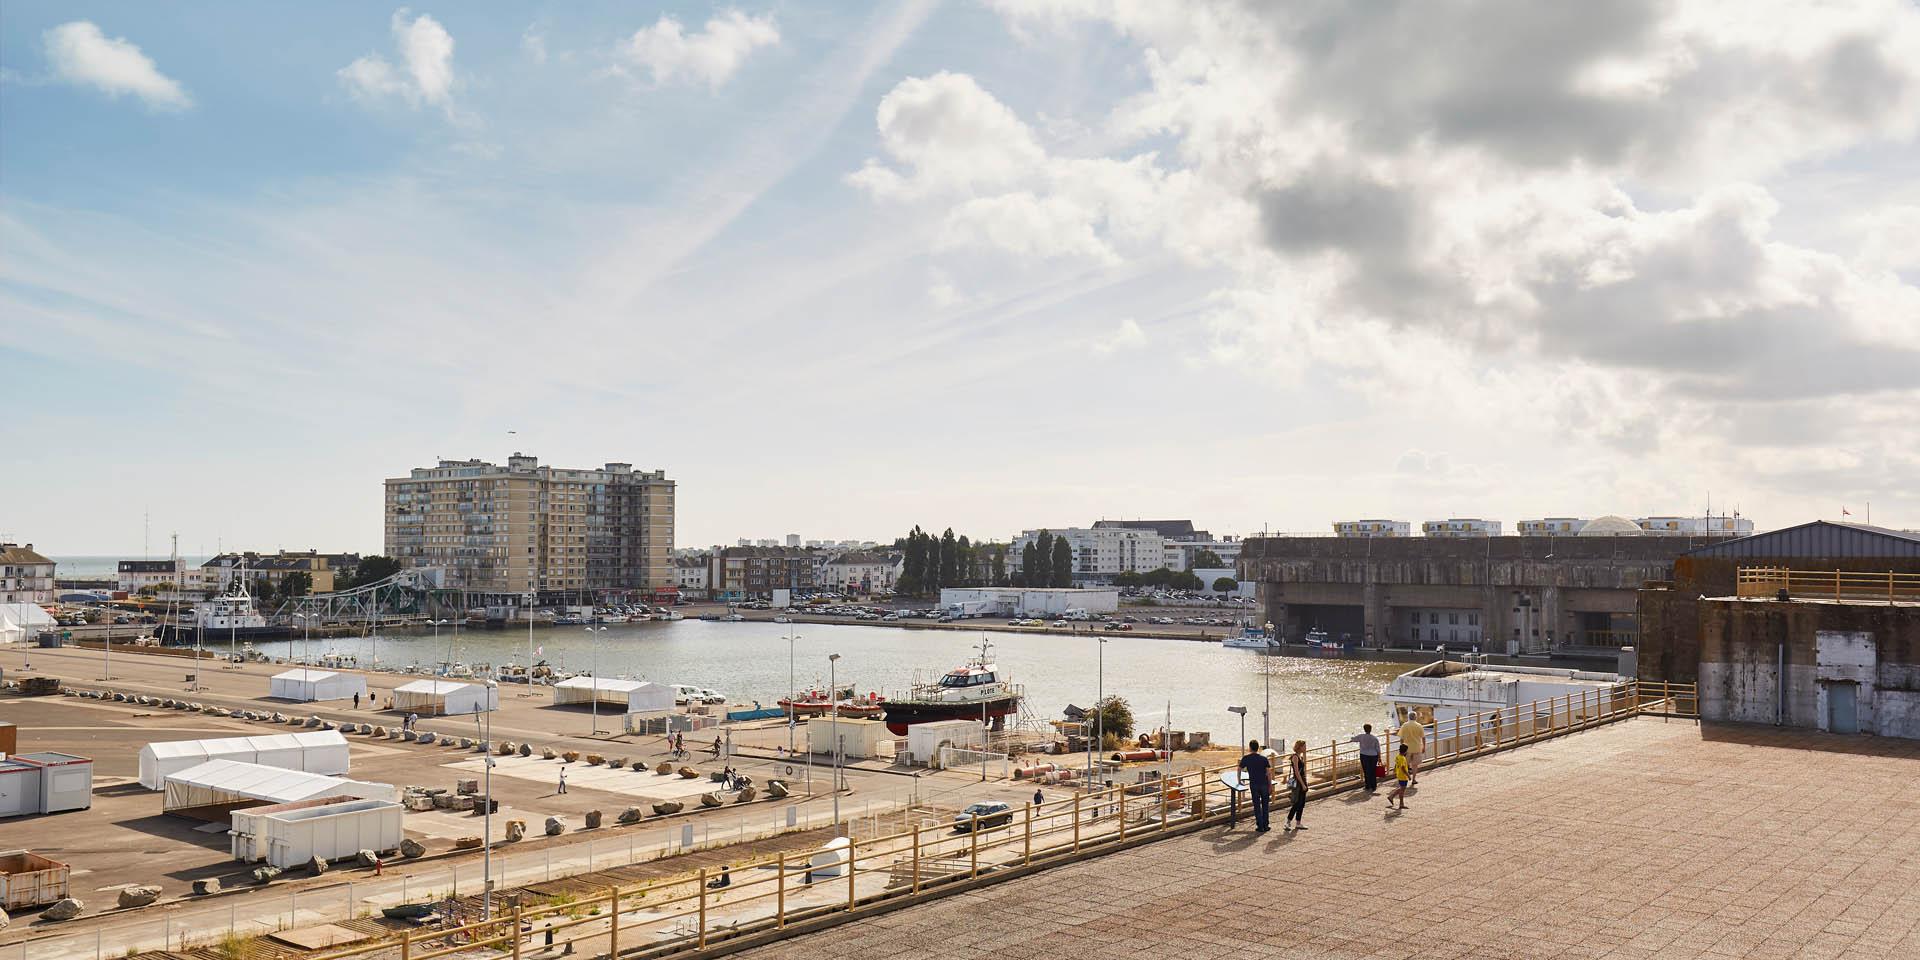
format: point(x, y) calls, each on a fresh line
point(317, 866)
point(777, 790)
point(473, 843)
point(629, 815)
point(279, 717)
point(506, 748)
point(717, 776)
point(138, 896)
point(463, 743)
point(409, 736)
point(689, 773)
point(206, 885)
point(5, 921)
point(411, 848)
point(617, 763)
point(526, 750)
point(571, 756)
point(482, 746)
point(712, 798)
point(367, 858)
point(546, 753)
point(515, 830)
point(666, 807)
point(665, 767)
point(556, 826)
point(594, 759)
point(642, 765)
point(380, 731)
point(593, 819)
point(744, 796)
point(64, 909)
point(425, 736)
point(265, 875)
point(314, 721)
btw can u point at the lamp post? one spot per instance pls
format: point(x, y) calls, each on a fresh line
point(530, 599)
point(436, 642)
point(833, 685)
point(1266, 710)
point(594, 671)
point(1242, 711)
point(106, 669)
point(486, 794)
point(791, 716)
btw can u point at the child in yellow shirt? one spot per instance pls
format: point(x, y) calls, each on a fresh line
point(1402, 772)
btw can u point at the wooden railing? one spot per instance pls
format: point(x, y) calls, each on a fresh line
point(1857, 585)
point(766, 897)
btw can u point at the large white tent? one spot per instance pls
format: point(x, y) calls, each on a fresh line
point(230, 783)
point(632, 696)
point(305, 685)
point(19, 621)
point(445, 697)
point(317, 751)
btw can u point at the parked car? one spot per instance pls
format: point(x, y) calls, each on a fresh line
point(990, 814)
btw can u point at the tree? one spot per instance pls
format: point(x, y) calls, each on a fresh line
point(949, 560)
point(1041, 573)
point(1206, 560)
point(1186, 580)
point(1225, 585)
point(965, 562)
point(373, 568)
point(296, 584)
point(1029, 563)
point(998, 573)
point(1126, 578)
point(1062, 564)
point(1113, 718)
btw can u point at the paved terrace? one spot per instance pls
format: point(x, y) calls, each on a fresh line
point(1637, 840)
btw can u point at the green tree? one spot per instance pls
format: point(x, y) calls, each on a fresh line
point(1113, 717)
point(1225, 585)
point(1206, 560)
point(296, 584)
point(1062, 564)
point(1186, 580)
point(949, 559)
point(913, 571)
point(373, 568)
point(998, 574)
point(1126, 578)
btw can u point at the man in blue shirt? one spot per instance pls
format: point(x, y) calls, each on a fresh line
point(1258, 773)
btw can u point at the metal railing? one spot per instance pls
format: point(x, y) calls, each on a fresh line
point(1858, 585)
point(694, 911)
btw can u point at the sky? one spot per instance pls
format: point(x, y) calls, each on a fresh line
point(841, 269)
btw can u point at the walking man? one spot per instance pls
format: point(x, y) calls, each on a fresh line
point(1413, 738)
point(1369, 754)
point(563, 779)
point(1259, 779)
point(1038, 799)
point(356, 699)
point(1401, 772)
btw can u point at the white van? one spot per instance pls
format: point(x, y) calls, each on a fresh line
point(688, 693)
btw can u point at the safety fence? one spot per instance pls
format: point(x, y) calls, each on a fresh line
point(760, 900)
point(1858, 585)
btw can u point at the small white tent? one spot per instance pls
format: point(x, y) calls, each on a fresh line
point(632, 696)
point(317, 751)
point(305, 685)
point(445, 697)
point(650, 698)
point(226, 784)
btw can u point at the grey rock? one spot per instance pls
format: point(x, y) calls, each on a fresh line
point(593, 819)
point(65, 909)
point(617, 763)
point(206, 885)
point(366, 858)
point(409, 736)
point(317, 866)
point(5, 921)
point(629, 815)
point(279, 717)
point(777, 789)
point(525, 750)
point(138, 896)
point(640, 765)
point(411, 848)
point(463, 743)
point(546, 753)
point(745, 796)
point(425, 736)
point(265, 875)
point(712, 798)
point(665, 807)
point(328, 725)
point(556, 826)
point(506, 748)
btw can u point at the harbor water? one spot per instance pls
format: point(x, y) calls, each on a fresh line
point(1315, 699)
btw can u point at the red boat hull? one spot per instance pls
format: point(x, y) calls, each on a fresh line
point(902, 714)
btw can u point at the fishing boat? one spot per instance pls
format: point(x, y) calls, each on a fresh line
point(975, 690)
point(1252, 638)
point(231, 615)
point(816, 703)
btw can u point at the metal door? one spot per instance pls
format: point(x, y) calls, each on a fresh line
point(1843, 712)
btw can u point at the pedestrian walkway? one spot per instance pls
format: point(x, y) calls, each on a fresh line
point(1626, 842)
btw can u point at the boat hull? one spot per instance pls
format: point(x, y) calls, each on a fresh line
point(169, 633)
point(901, 714)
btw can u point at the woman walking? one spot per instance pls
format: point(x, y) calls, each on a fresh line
point(1297, 786)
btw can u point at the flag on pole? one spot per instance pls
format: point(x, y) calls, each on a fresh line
point(1845, 512)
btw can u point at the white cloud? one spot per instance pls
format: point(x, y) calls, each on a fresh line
point(80, 54)
point(1126, 336)
point(534, 44)
point(710, 56)
point(425, 72)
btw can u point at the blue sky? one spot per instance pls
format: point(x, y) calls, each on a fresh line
point(840, 271)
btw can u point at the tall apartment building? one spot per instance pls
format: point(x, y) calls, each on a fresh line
point(1099, 552)
point(753, 573)
point(25, 575)
point(527, 528)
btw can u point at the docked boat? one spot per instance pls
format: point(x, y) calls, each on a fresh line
point(230, 615)
point(1320, 642)
point(1443, 690)
point(1252, 638)
point(816, 703)
point(972, 691)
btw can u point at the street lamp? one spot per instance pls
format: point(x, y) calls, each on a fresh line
point(486, 794)
point(436, 642)
point(792, 715)
point(594, 671)
point(1242, 711)
point(833, 687)
point(1099, 713)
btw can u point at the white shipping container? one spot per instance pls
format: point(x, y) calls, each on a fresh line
point(288, 835)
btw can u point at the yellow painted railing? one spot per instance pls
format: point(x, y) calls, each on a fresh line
point(767, 896)
point(1858, 585)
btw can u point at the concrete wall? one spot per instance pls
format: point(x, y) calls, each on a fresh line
point(1873, 648)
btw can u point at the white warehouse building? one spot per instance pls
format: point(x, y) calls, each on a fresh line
point(1027, 601)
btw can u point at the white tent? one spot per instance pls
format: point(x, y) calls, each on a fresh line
point(229, 783)
point(632, 696)
point(318, 751)
point(20, 621)
point(305, 685)
point(444, 697)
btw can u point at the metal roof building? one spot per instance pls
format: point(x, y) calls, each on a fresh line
point(1821, 538)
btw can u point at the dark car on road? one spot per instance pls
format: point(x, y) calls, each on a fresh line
point(989, 815)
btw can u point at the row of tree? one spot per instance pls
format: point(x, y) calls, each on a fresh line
point(1046, 561)
point(930, 563)
point(1162, 577)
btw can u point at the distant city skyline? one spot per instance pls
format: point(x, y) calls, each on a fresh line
point(840, 271)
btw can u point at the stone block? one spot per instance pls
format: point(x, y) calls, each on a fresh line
point(206, 885)
point(367, 858)
point(65, 909)
point(629, 815)
point(473, 843)
point(516, 829)
point(593, 819)
point(317, 866)
point(265, 875)
point(556, 826)
point(138, 896)
point(411, 848)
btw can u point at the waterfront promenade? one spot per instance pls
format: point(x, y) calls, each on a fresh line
point(1636, 840)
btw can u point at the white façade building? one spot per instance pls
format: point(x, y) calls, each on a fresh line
point(692, 576)
point(860, 572)
point(1027, 601)
point(1180, 554)
point(1461, 528)
point(1551, 526)
point(1696, 526)
point(1372, 528)
point(1100, 552)
point(25, 575)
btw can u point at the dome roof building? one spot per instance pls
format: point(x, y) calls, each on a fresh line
point(1612, 526)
